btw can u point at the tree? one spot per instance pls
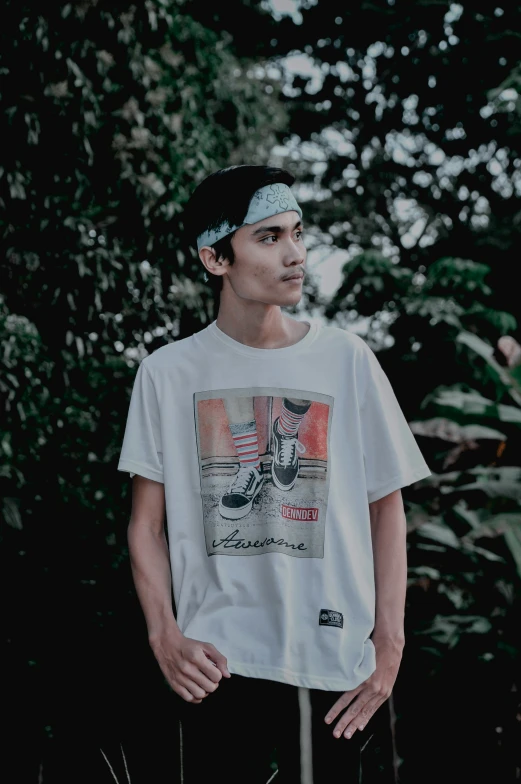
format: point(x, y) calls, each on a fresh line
point(111, 114)
point(410, 131)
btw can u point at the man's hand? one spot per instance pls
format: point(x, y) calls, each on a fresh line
point(192, 668)
point(369, 695)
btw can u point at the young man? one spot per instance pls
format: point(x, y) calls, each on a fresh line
point(277, 449)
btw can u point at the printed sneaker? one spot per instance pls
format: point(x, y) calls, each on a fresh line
point(284, 466)
point(238, 501)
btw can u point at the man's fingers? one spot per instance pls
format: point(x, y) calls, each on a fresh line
point(185, 687)
point(340, 704)
point(360, 721)
point(188, 682)
point(185, 694)
point(196, 692)
point(192, 668)
point(217, 657)
point(349, 717)
point(208, 668)
point(192, 677)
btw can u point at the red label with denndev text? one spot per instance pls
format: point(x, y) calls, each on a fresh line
point(305, 513)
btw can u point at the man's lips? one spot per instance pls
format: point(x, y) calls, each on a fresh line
point(294, 276)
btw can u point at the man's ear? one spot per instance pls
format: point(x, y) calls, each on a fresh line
point(212, 264)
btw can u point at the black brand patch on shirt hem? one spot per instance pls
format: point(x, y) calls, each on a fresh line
point(331, 618)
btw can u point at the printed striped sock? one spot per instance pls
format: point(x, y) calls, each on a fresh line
point(244, 437)
point(289, 422)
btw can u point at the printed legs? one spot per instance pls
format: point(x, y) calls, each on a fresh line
point(286, 446)
point(240, 497)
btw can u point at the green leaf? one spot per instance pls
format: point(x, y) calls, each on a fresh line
point(504, 481)
point(472, 405)
point(425, 571)
point(469, 516)
point(447, 629)
point(486, 351)
point(11, 513)
point(448, 430)
point(439, 533)
point(513, 540)
point(496, 525)
point(488, 554)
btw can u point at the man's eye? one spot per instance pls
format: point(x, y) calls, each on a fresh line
point(271, 237)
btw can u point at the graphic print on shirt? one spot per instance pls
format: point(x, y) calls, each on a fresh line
point(263, 467)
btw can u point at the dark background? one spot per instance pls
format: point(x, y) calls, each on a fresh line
point(404, 134)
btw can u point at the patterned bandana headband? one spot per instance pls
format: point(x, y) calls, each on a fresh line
point(266, 202)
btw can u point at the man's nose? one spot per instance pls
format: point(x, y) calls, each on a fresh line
point(295, 250)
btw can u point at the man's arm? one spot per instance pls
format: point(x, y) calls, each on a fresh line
point(193, 668)
point(149, 557)
point(389, 532)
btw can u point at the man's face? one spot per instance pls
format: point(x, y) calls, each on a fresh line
point(266, 254)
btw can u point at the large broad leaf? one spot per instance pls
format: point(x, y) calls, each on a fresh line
point(448, 430)
point(507, 524)
point(513, 539)
point(498, 472)
point(440, 533)
point(486, 351)
point(425, 571)
point(447, 629)
point(515, 372)
point(494, 489)
point(471, 405)
point(496, 525)
point(11, 513)
point(469, 516)
point(443, 482)
point(504, 481)
point(488, 554)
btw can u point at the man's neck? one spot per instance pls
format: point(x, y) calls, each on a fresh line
point(265, 327)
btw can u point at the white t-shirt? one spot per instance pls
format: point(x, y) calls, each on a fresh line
point(283, 585)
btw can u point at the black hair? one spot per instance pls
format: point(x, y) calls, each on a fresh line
point(224, 197)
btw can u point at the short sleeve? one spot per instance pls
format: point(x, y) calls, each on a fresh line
point(392, 457)
point(141, 452)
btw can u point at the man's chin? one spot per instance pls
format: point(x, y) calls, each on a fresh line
point(293, 299)
point(286, 300)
